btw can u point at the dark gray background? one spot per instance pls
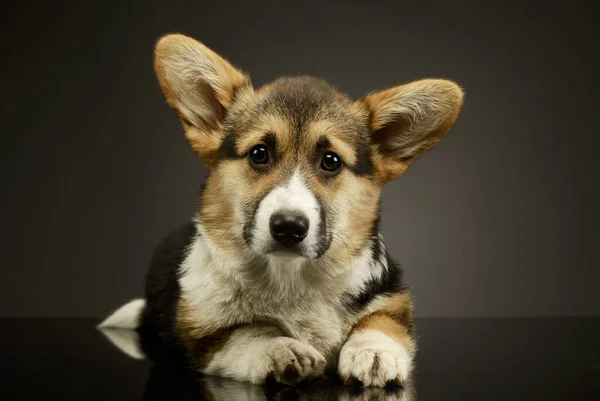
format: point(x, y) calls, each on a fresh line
point(501, 219)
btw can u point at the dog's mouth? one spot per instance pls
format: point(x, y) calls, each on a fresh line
point(279, 250)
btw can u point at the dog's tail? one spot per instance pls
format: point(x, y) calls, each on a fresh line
point(120, 328)
point(127, 316)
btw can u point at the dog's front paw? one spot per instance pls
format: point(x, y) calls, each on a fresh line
point(289, 361)
point(374, 359)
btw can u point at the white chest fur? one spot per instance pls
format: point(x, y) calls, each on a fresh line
point(221, 294)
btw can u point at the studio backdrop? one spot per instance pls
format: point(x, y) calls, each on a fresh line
point(501, 219)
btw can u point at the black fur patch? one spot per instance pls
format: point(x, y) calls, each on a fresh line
point(390, 281)
point(377, 250)
point(323, 144)
point(363, 164)
point(250, 224)
point(290, 374)
point(376, 246)
point(270, 140)
point(228, 149)
point(323, 240)
point(162, 287)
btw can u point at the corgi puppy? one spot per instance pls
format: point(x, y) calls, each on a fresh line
point(283, 273)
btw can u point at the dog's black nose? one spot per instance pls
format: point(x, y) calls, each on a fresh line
point(288, 228)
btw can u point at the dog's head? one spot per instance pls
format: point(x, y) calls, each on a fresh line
point(296, 167)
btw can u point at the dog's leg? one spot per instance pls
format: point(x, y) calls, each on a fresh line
point(381, 346)
point(252, 353)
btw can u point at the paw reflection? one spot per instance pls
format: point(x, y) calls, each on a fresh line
point(219, 389)
point(167, 384)
point(377, 394)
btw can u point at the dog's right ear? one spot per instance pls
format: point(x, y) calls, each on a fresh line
point(200, 86)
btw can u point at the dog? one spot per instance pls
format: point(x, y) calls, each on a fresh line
point(283, 273)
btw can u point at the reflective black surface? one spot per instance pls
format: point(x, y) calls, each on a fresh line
point(462, 359)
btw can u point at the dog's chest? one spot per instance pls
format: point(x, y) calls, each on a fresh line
point(313, 319)
point(313, 315)
point(315, 322)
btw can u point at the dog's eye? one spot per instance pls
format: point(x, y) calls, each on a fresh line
point(259, 154)
point(331, 162)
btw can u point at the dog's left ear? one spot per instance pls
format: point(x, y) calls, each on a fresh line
point(407, 120)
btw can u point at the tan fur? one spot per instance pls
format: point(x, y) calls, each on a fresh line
point(205, 146)
point(387, 169)
point(200, 343)
point(327, 128)
point(186, 322)
point(387, 325)
point(408, 120)
point(441, 97)
point(358, 197)
point(400, 307)
point(268, 123)
point(399, 304)
point(218, 216)
point(393, 319)
point(179, 54)
point(199, 85)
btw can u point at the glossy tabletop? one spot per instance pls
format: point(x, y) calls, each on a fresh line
point(458, 359)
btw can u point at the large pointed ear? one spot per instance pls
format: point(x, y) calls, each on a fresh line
point(200, 86)
point(407, 120)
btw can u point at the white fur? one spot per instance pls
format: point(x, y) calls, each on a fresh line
point(211, 284)
point(295, 196)
point(364, 270)
point(126, 317)
point(374, 358)
point(253, 352)
point(185, 66)
point(207, 283)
